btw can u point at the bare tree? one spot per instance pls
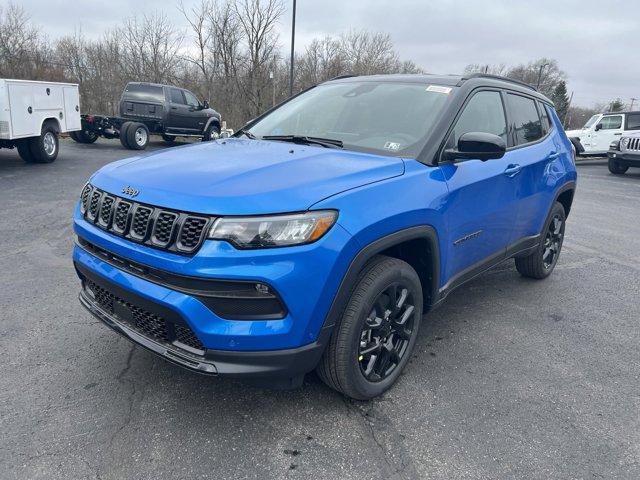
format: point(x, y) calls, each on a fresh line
point(150, 47)
point(258, 21)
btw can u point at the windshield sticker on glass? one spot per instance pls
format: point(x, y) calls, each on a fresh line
point(439, 89)
point(392, 146)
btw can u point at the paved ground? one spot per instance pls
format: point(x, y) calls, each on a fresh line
point(510, 379)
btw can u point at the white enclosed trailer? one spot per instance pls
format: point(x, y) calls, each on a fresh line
point(33, 114)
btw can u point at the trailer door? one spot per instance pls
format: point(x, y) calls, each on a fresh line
point(23, 121)
point(71, 108)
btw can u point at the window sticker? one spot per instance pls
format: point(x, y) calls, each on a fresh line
point(439, 89)
point(392, 146)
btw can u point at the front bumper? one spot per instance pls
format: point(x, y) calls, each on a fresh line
point(626, 159)
point(285, 365)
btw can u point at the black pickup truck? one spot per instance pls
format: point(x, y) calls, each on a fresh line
point(152, 109)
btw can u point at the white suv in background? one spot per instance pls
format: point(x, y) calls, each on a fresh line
point(601, 130)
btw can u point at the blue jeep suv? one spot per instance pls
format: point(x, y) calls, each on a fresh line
point(320, 233)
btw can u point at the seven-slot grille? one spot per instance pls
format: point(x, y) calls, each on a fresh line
point(142, 321)
point(634, 143)
point(179, 232)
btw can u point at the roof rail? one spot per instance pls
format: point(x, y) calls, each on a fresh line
point(348, 75)
point(499, 77)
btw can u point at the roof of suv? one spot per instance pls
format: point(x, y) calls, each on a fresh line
point(476, 79)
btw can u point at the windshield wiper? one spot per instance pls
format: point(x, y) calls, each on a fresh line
point(246, 133)
point(304, 140)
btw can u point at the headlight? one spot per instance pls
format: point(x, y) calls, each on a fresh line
point(274, 231)
point(624, 142)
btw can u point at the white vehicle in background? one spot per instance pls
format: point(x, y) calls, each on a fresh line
point(601, 130)
point(33, 114)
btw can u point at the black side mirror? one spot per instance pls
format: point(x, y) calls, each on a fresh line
point(598, 127)
point(205, 105)
point(478, 146)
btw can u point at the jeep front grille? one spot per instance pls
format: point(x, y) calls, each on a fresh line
point(634, 143)
point(179, 232)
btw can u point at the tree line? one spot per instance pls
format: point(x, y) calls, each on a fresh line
point(229, 54)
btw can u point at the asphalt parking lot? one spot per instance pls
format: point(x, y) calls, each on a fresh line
point(511, 378)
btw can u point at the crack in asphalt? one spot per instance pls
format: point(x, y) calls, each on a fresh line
point(370, 418)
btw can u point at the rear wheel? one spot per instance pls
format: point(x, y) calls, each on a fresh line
point(137, 136)
point(83, 136)
point(374, 339)
point(124, 128)
point(616, 168)
point(24, 150)
point(44, 149)
point(542, 261)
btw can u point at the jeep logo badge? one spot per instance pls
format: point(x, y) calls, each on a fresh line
point(132, 192)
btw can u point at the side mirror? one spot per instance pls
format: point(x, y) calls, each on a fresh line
point(205, 105)
point(478, 146)
point(598, 127)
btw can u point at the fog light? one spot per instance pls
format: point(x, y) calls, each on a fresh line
point(262, 288)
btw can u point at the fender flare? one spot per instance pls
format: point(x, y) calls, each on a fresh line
point(214, 119)
point(53, 120)
point(350, 278)
point(577, 144)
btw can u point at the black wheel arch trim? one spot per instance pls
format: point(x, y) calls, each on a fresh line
point(350, 278)
point(571, 185)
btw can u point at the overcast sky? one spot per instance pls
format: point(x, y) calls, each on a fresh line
point(594, 41)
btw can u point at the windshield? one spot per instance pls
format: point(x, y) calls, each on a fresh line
point(591, 121)
point(378, 117)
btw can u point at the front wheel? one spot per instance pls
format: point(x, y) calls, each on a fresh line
point(374, 339)
point(542, 261)
point(616, 168)
point(211, 133)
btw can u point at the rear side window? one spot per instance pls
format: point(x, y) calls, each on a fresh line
point(144, 93)
point(525, 122)
point(483, 113)
point(633, 121)
point(612, 122)
point(544, 117)
point(176, 96)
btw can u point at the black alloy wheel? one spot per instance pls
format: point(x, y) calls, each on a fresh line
point(386, 332)
point(553, 241)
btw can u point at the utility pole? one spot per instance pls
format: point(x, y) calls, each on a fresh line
point(633, 100)
point(293, 43)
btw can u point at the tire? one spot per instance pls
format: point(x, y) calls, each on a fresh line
point(345, 362)
point(616, 168)
point(137, 136)
point(169, 138)
point(124, 128)
point(538, 264)
point(86, 136)
point(24, 150)
point(44, 149)
point(211, 133)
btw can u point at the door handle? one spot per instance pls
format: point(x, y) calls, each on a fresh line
point(174, 108)
point(512, 170)
point(618, 133)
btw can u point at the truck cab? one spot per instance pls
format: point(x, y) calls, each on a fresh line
point(601, 130)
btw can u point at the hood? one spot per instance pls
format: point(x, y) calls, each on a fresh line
point(241, 177)
point(574, 133)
